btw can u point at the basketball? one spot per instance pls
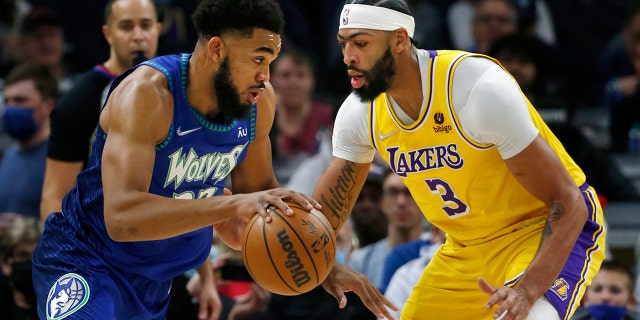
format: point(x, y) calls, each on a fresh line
point(291, 254)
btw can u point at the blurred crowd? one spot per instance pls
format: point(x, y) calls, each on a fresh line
point(567, 56)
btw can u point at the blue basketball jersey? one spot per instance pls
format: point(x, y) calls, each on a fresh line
point(193, 162)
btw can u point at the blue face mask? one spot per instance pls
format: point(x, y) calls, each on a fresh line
point(607, 312)
point(341, 255)
point(18, 122)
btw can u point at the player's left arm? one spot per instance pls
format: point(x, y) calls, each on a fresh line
point(499, 115)
point(541, 172)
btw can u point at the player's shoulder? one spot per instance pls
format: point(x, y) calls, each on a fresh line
point(352, 105)
point(472, 63)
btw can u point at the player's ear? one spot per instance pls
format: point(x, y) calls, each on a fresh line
point(215, 48)
point(400, 39)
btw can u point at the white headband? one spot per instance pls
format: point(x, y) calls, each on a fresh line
point(377, 18)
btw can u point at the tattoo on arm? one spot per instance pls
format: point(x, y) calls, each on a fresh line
point(339, 198)
point(555, 212)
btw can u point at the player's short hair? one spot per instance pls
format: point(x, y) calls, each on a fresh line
point(240, 17)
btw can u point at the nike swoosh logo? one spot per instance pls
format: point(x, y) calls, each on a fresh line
point(384, 136)
point(182, 133)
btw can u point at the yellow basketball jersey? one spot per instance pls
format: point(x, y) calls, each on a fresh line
point(461, 186)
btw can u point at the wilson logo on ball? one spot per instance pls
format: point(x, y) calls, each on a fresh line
point(291, 254)
point(296, 268)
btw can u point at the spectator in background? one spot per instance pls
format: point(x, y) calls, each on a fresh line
point(42, 42)
point(300, 118)
point(491, 20)
point(131, 28)
point(620, 71)
point(405, 223)
point(408, 251)
point(370, 224)
point(431, 31)
point(11, 14)
point(304, 177)
point(616, 62)
point(534, 19)
point(406, 276)
point(473, 24)
point(460, 23)
point(583, 28)
point(30, 94)
point(526, 58)
point(17, 296)
point(176, 34)
point(610, 295)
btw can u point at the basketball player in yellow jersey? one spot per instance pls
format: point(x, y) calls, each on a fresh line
point(525, 232)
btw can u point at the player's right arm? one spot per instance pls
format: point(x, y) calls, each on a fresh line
point(337, 191)
point(338, 187)
point(136, 118)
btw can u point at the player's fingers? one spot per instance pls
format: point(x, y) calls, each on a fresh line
point(376, 302)
point(498, 298)
point(301, 199)
point(226, 192)
point(336, 292)
point(486, 287)
point(265, 211)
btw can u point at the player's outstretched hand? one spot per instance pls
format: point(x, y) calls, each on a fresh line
point(343, 279)
point(512, 303)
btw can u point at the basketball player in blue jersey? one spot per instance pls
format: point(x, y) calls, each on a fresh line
point(524, 230)
point(172, 132)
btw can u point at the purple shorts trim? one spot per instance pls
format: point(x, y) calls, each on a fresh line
point(566, 292)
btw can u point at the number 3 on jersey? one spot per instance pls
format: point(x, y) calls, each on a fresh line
point(453, 206)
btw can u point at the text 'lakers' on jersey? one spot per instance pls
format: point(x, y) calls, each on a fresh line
point(446, 170)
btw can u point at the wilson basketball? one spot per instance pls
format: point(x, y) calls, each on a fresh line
point(291, 254)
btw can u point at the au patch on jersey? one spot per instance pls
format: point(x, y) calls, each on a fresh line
point(67, 295)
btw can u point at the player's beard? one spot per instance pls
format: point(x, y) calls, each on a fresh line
point(229, 104)
point(378, 78)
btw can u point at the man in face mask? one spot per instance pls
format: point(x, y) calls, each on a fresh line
point(16, 248)
point(29, 93)
point(610, 295)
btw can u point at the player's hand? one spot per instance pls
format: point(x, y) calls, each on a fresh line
point(512, 303)
point(263, 200)
point(343, 279)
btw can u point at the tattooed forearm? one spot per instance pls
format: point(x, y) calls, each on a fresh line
point(337, 202)
point(556, 210)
